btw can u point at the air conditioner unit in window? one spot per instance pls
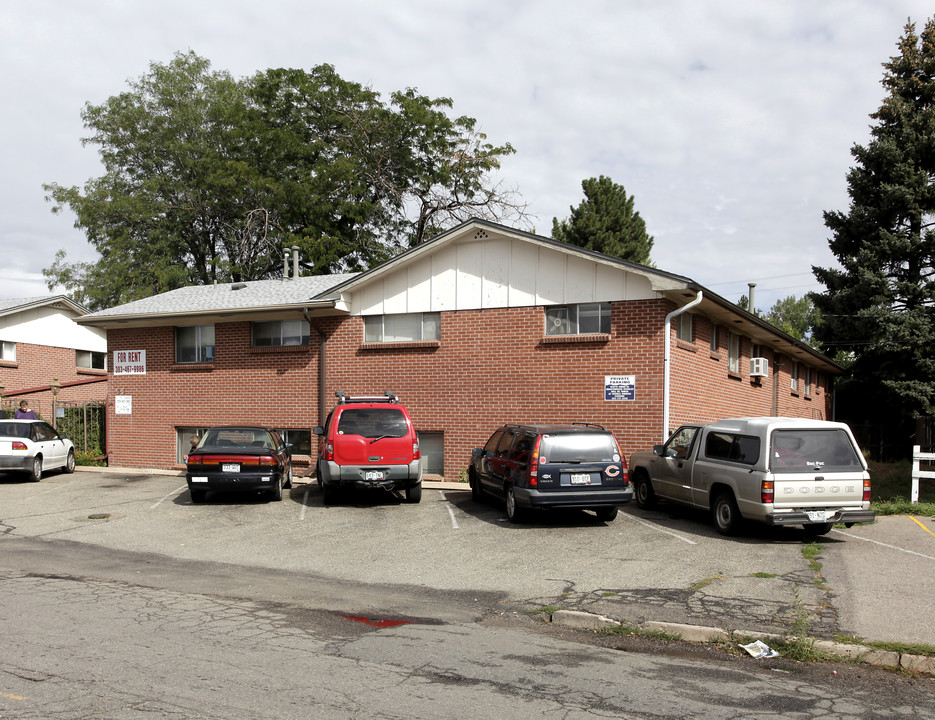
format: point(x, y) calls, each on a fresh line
point(759, 367)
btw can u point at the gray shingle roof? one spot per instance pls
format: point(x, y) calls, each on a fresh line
point(252, 295)
point(12, 305)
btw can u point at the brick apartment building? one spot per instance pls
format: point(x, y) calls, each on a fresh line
point(40, 344)
point(480, 326)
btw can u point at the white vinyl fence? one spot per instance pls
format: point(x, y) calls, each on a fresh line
point(918, 474)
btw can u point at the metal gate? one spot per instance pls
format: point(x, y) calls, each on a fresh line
point(84, 424)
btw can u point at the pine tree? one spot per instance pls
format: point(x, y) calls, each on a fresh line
point(606, 223)
point(878, 309)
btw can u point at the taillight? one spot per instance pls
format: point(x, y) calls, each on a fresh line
point(416, 453)
point(17, 445)
point(266, 460)
point(767, 492)
point(867, 490)
point(624, 471)
point(329, 451)
point(534, 464)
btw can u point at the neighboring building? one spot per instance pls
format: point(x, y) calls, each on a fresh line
point(40, 343)
point(479, 326)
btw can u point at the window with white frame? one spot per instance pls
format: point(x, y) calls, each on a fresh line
point(8, 351)
point(194, 344)
point(584, 319)
point(794, 377)
point(733, 353)
point(90, 360)
point(408, 327)
point(280, 333)
point(683, 328)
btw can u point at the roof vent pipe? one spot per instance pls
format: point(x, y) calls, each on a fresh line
point(751, 305)
point(295, 262)
point(667, 361)
point(285, 266)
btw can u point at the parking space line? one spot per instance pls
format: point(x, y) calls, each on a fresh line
point(886, 545)
point(451, 512)
point(921, 525)
point(174, 492)
point(659, 529)
point(52, 489)
point(308, 489)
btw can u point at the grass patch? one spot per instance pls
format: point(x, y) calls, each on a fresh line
point(763, 575)
point(635, 630)
point(704, 583)
point(545, 609)
point(891, 485)
point(897, 647)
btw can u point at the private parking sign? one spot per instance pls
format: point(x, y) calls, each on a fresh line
point(620, 387)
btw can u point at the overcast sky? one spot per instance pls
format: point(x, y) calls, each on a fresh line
point(730, 121)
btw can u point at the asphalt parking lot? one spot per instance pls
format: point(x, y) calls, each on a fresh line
point(875, 581)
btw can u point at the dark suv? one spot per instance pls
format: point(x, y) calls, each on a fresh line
point(548, 466)
point(369, 443)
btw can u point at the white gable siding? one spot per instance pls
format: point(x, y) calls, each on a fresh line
point(52, 327)
point(495, 272)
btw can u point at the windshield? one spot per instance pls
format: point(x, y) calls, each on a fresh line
point(803, 450)
point(237, 437)
point(586, 447)
point(15, 430)
point(373, 422)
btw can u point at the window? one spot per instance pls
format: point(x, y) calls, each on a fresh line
point(402, 328)
point(714, 347)
point(733, 353)
point(683, 331)
point(807, 388)
point(90, 360)
point(804, 450)
point(301, 441)
point(183, 441)
point(794, 377)
point(8, 351)
point(432, 447)
point(737, 448)
point(578, 319)
point(194, 344)
point(280, 333)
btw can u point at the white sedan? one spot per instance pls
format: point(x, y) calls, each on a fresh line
point(31, 446)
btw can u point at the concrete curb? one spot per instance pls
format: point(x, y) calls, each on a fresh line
point(701, 634)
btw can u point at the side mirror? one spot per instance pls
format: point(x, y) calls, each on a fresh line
point(658, 450)
point(319, 430)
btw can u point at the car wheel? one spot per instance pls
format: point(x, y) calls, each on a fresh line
point(275, 493)
point(477, 493)
point(70, 462)
point(813, 530)
point(35, 475)
point(198, 496)
point(514, 512)
point(606, 513)
point(414, 493)
point(288, 483)
point(329, 494)
point(725, 513)
point(643, 489)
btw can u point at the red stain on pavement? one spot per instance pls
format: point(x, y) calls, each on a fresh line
point(376, 623)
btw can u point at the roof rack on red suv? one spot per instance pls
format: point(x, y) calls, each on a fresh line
point(369, 442)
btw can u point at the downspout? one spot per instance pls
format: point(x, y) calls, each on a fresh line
point(322, 368)
point(667, 361)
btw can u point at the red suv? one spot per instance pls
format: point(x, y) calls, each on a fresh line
point(369, 443)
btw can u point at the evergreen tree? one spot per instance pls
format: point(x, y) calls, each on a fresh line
point(606, 223)
point(877, 311)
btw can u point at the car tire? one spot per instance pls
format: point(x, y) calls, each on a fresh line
point(813, 530)
point(329, 494)
point(288, 483)
point(275, 493)
point(414, 493)
point(198, 496)
point(477, 493)
point(70, 462)
point(35, 475)
point(725, 513)
point(606, 514)
point(514, 513)
point(643, 489)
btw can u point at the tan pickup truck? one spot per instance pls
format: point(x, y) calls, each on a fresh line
point(778, 471)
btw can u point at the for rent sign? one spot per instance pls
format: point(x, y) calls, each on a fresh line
point(129, 362)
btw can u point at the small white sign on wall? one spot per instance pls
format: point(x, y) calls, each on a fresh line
point(123, 404)
point(129, 362)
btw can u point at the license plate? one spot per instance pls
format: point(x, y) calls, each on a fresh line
point(374, 475)
point(816, 515)
point(230, 467)
point(581, 478)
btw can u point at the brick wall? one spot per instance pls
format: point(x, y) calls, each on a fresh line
point(490, 367)
point(35, 368)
